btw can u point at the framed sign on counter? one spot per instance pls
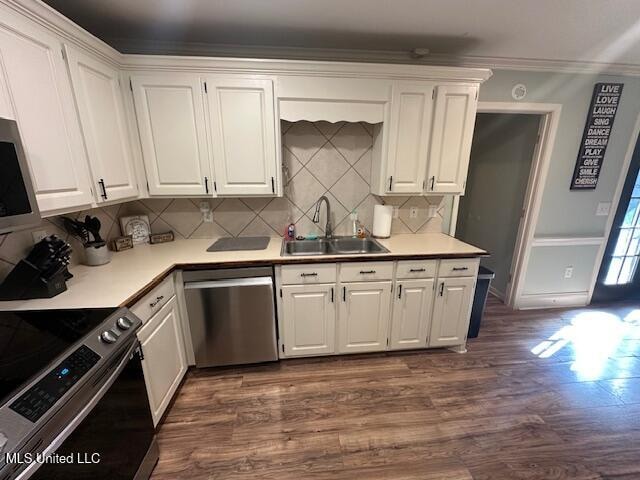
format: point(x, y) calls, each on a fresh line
point(602, 113)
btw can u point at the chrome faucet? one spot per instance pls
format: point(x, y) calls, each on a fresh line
point(328, 229)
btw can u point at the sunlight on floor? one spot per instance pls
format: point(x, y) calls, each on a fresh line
point(592, 338)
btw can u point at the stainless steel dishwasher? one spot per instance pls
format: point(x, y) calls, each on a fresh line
point(231, 315)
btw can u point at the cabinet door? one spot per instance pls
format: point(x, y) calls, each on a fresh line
point(411, 111)
point(40, 94)
point(364, 317)
point(411, 314)
point(96, 86)
point(453, 123)
point(171, 121)
point(309, 318)
point(451, 311)
point(241, 118)
point(164, 362)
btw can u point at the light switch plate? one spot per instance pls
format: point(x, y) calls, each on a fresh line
point(396, 212)
point(568, 272)
point(603, 209)
point(413, 212)
point(432, 211)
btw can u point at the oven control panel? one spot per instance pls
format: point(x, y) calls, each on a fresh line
point(35, 402)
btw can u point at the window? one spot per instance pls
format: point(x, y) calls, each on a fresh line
point(627, 250)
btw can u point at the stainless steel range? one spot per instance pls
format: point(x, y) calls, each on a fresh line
point(71, 391)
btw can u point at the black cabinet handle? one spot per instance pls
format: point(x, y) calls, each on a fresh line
point(313, 274)
point(273, 185)
point(441, 288)
point(344, 294)
point(331, 294)
point(104, 190)
point(433, 179)
point(400, 291)
point(416, 270)
point(206, 184)
point(390, 182)
point(156, 301)
point(363, 272)
point(460, 269)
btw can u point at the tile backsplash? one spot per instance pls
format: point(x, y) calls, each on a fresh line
point(319, 158)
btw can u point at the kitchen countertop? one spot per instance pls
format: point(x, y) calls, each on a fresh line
point(131, 273)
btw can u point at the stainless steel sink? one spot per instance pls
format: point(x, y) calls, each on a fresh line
point(349, 245)
point(334, 246)
point(305, 247)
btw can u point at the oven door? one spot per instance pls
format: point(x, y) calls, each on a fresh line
point(115, 440)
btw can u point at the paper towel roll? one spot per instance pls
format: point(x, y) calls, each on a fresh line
point(382, 215)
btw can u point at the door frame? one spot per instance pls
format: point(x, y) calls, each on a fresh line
point(549, 121)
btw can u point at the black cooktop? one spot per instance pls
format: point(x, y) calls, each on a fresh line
point(30, 340)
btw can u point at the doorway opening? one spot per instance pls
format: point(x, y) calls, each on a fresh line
point(500, 168)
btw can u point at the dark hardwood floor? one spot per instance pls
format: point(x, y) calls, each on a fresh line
point(549, 394)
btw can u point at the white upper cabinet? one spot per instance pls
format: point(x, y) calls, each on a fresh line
point(171, 121)
point(409, 129)
point(451, 311)
point(241, 119)
point(98, 93)
point(364, 316)
point(411, 317)
point(38, 89)
point(453, 123)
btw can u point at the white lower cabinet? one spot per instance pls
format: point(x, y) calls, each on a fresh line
point(451, 311)
point(363, 321)
point(164, 362)
point(411, 319)
point(309, 319)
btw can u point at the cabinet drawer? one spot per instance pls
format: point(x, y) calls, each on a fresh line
point(153, 301)
point(313, 273)
point(417, 269)
point(466, 267)
point(366, 271)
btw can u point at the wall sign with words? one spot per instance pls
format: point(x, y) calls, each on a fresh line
point(602, 113)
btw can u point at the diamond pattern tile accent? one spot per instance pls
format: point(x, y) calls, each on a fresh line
point(414, 224)
point(233, 215)
point(258, 227)
point(328, 166)
point(350, 190)
point(352, 142)
point(304, 190)
point(304, 140)
point(290, 165)
point(328, 129)
point(363, 166)
point(278, 212)
point(183, 216)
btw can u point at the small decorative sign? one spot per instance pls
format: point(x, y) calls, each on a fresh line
point(123, 243)
point(161, 237)
point(137, 226)
point(602, 113)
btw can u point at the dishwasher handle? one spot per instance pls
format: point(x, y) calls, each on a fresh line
point(230, 283)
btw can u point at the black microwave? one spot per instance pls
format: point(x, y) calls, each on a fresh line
point(18, 207)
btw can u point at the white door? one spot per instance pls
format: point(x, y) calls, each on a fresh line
point(42, 103)
point(171, 121)
point(451, 311)
point(411, 112)
point(165, 361)
point(98, 93)
point(243, 135)
point(453, 123)
point(363, 320)
point(309, 318)
point(411, 318)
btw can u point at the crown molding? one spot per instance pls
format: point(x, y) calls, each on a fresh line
point(145, 47)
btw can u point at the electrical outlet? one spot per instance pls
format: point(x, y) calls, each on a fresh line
point(207, 214)
point(603, 209)
point(396, 212)
point(568, 272)
point(413, 212)
point(432, 211)
point(38, 235)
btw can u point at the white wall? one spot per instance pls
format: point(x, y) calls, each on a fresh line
point(567, 213)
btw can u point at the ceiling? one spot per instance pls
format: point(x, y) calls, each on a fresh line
point(568, 31)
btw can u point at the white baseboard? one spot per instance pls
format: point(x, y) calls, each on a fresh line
point(552, 300)
point(496, 293)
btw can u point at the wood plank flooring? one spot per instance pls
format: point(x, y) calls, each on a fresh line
point(549, 394)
